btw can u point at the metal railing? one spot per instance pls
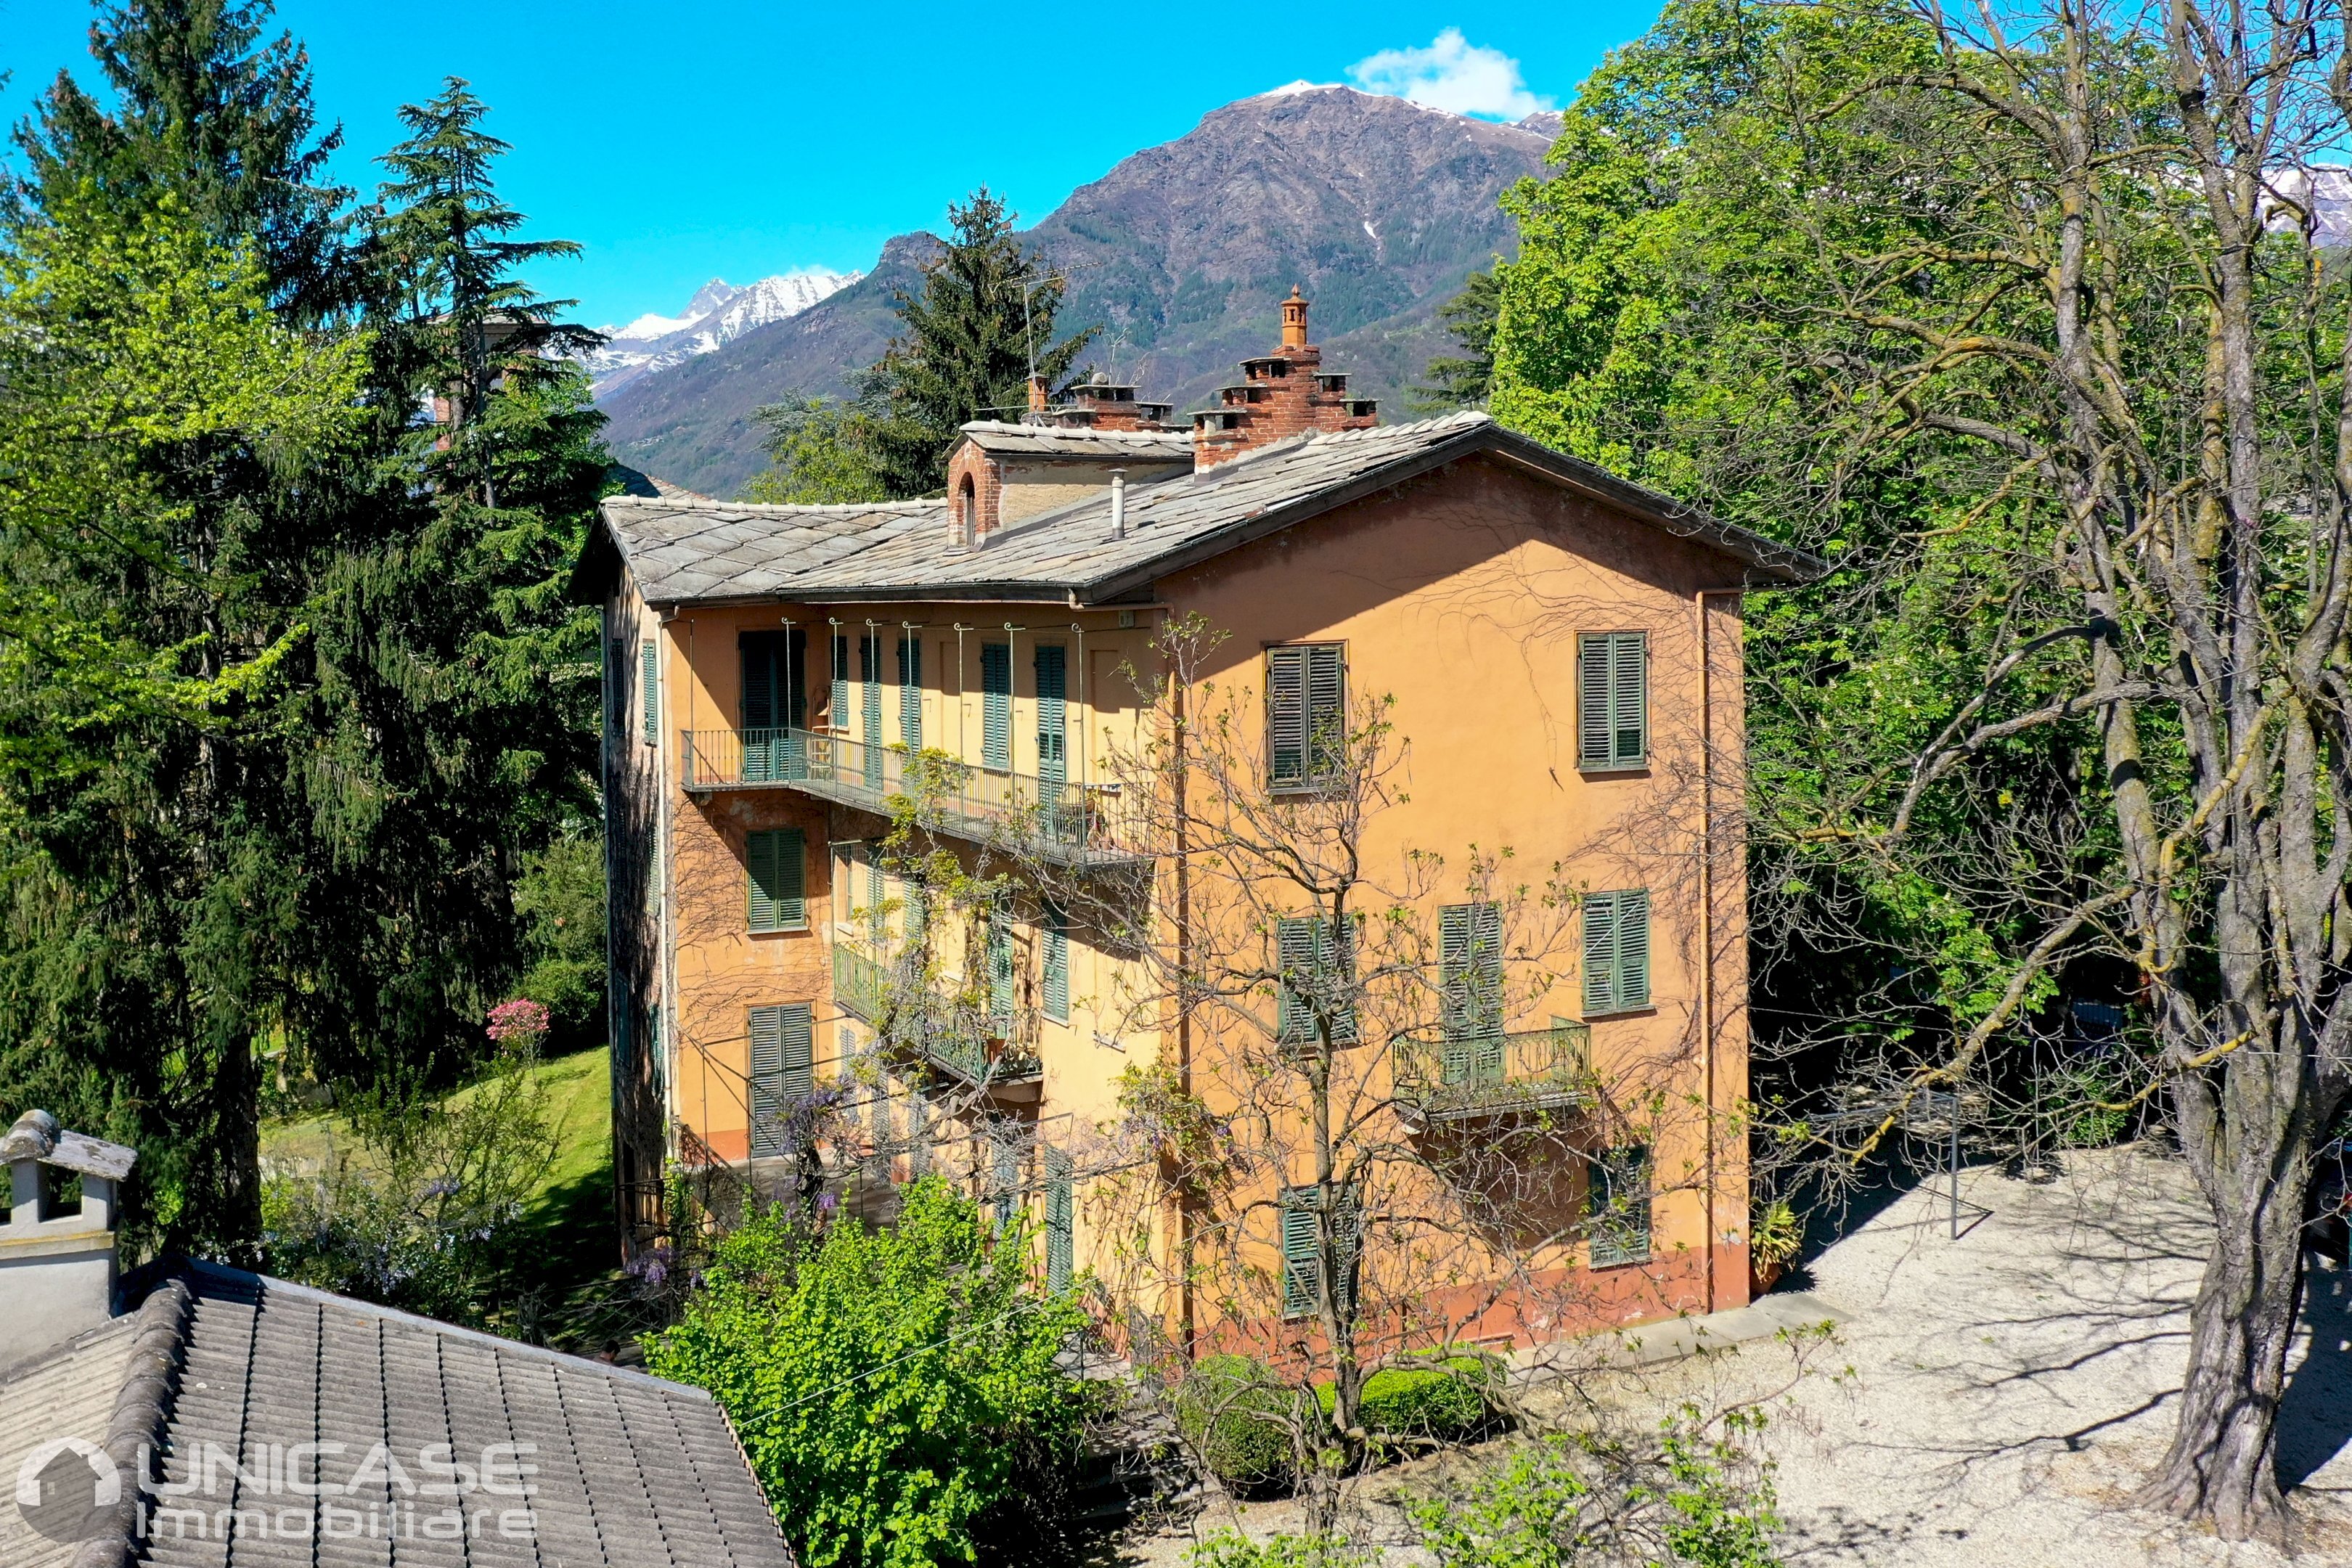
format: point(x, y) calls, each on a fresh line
point(1492, 1074)
point(933, 1032)
point(959, 798)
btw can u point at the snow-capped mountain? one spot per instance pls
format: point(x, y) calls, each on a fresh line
point(717, 315)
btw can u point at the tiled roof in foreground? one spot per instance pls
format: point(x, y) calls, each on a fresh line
point(681, 553)
point(626, 1470)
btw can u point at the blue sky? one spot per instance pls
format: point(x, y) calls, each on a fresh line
point(681, 143)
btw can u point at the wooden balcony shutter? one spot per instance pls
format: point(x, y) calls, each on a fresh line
point(1001, 988)
point(776, 861)
point(836, 714)
point(910, 693)
point(1055, 977)
point(1061, 1219)
point(1053, 720)
point(997, 705)
point(1613, 700)
point(649, 684)
point(1313, 966)
point(1302, 1254)
point(1470, 989)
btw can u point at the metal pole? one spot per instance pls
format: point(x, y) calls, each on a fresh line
point(1956, 1164)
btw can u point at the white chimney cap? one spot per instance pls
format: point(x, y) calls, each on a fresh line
point(37, 1136)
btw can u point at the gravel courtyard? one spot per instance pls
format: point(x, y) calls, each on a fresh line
point(2006, 1390)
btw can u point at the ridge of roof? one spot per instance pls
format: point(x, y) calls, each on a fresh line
point(765, 507)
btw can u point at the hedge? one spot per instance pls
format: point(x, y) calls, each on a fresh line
point(1234, 1411)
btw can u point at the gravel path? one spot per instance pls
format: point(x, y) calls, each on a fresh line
point(1992, 1402)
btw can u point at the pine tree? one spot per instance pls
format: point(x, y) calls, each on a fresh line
point(303, 873)
point(983, 320)
point(225, 127)
point(1464, 380)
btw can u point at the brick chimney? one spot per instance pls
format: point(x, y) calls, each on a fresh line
point(1280, 394)
point(56, 1248)
point(1101, 404)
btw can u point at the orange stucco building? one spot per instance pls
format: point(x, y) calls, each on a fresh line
point(1556, 653)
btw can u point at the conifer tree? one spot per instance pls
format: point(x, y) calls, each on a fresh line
point(983, 322)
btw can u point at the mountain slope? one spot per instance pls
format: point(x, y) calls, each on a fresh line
point(717, 315)
point(1377, 207)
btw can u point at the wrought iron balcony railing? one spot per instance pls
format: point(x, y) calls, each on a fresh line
point(960, 1049)
point(1442, 1078)
point(1070, 822)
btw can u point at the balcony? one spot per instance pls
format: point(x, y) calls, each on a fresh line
point(1080, 824)
point(1504, 1074)
point(956, 1048)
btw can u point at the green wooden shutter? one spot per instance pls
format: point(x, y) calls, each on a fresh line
point(1595, 721)
point(1634, 948)
point(1061, 1220)
point(1285, 707)
point(758, 652)
point(649, 681)
point(1056, 976)
point(1053, 718)
point(776, 860)
point(878, 893)
point(767, 1032)
point(1618, 1200)
point(1294, 953)
point(870, 684)
point(1335, 960)
point(1302, 1253)
point(1000, 969)
point(910, 692)
point(1629, 699)
point(837, 711)
point(798, 1059)
point(1327, 710)
point(997, 705)
point(1600, 954)
point(1348, 1247)
point(1470, 959)
point(1007, 1175)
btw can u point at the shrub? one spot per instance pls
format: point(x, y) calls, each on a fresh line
point(1240, 1419)
point(1775, 1236)
point(1232, 1549)
point(1440, 1395)
point(887, 1384)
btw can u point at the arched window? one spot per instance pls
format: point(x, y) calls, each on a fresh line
point(967, 513)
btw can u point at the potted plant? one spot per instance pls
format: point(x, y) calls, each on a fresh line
point(1774, 1239)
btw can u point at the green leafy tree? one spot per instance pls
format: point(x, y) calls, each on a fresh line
point(884, 1383)
point(821, 452)
point(2001, 319)
point(277, 841)
point(983, 321)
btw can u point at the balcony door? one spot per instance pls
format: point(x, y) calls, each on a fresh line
point(775, 703)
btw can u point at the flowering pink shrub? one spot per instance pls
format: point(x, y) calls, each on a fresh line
point(521, 1021)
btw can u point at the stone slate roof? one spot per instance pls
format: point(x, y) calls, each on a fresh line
point(631, 1471)
point(732, 552)
point(1076, 441)
point(69, 1392)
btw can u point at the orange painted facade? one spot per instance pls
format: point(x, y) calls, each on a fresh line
point(1458, 593)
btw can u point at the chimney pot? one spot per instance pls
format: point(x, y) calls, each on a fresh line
point(1118, 503)
point(1294, 320)
point(1036, 395)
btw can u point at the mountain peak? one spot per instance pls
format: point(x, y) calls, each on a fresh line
point(717, 315)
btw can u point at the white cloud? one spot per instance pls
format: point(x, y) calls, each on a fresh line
point(1452, 74)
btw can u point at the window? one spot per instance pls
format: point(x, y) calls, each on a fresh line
point(774, 703)
point(1470, 991)
point(782, 1071)
point(1613, 700)
point(836, 712)
point(996, 706)
point(649, 685)
point(777, 861)
point(870, 685)
point(1052, 715)
point(1001, 988)
point(910, 692)
point(1305, 701)
point(1055, 977)
point(1061, 1220)
point(1618, 1201)
point(1302, 1249)
point(967, 517)
point(656, 1058)
point(1616, 952)
point(1318, 964)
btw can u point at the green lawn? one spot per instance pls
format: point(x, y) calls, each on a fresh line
point(566, 1255)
